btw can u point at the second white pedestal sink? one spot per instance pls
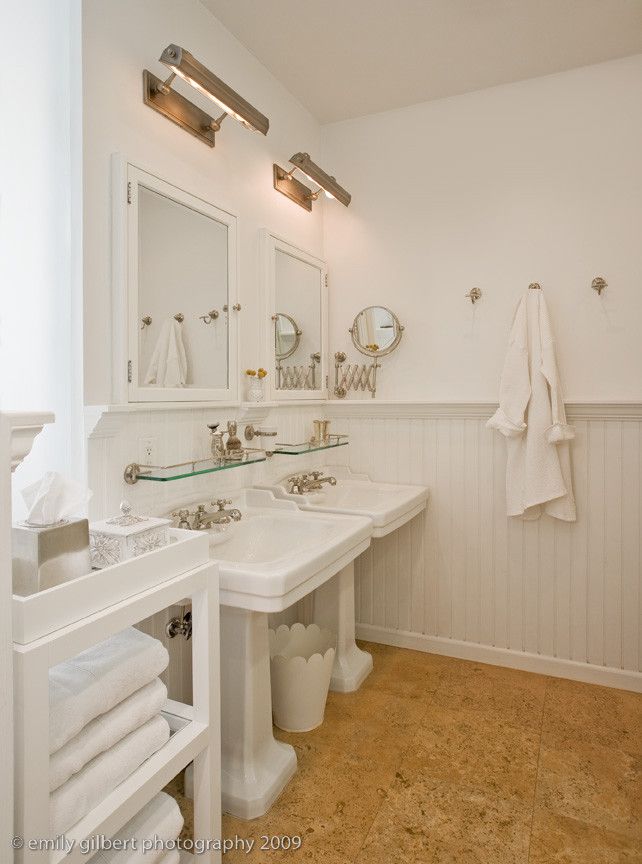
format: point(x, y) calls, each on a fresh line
point(388, 506)
point(273, 557)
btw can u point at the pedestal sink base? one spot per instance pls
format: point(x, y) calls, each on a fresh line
point(334, 609)
point(255, 766)
point(249, 798)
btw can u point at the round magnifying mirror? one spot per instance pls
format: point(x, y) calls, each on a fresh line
point(376, 331)
point(287, 335)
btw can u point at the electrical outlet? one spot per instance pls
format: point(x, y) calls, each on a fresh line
point(147, 451)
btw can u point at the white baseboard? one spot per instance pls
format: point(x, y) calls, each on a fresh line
point(587, 672)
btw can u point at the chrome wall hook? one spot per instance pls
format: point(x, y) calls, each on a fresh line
point(474, 295)
point(211, 316)
point(598, 284)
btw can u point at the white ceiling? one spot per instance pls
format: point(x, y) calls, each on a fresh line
point(346, 58)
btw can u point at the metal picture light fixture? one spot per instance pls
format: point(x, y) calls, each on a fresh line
point(159, 96)
point(288, 185)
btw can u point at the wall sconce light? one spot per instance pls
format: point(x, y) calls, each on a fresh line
point(159, 96)
point(287, 184)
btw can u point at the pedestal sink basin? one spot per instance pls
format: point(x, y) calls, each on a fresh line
point(388, 506)
point(272, 558)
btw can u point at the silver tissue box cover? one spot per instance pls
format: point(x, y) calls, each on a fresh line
point(48, 555)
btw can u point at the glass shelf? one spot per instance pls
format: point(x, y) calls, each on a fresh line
point(310, 446)
point(162, 474)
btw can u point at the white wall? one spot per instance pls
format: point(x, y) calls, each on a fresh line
point(120, 39)
point(535, 181)
point(40, 229)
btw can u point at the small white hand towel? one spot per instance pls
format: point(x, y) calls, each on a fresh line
point(82, 792)
point(532, 418)
point(97, 679)
point(105, 731)
point(160, 818)
point(168, 364)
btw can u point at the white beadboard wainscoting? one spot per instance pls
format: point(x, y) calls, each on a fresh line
point(466, 581)
point(179, 434)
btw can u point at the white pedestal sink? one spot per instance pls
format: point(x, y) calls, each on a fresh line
point(388, 506)
point(272, 558)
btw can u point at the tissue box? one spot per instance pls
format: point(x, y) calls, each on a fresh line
point(115, 540)
point(48, 555)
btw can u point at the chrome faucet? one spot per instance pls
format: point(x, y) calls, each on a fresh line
point(301, 483)
point(223, 515)
point(201, 519)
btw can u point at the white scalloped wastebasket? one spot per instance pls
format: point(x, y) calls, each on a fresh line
point(301, 660)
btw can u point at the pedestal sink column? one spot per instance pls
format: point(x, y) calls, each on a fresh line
point(255, 766)
point(334, 609)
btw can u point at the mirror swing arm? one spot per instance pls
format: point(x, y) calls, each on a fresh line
point(363, 376)
point(298, 377)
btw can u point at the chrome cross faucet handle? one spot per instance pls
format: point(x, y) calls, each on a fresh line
point(183, 518)
point(319, 478)
point(297, 484)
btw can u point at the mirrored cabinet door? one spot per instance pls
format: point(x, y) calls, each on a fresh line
point(181, 294)
point(296, 307)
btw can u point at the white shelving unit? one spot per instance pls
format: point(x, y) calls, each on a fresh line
point(57, 624)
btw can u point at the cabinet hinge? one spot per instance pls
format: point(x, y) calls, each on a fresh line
point(326, 382)
point(129, 371)
point(326, 280)
point(129, 192)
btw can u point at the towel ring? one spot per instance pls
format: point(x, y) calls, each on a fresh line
point(145, 321)
point(179, 317)
point(211, 316)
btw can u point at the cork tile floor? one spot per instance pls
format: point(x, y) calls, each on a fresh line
point(442, 761)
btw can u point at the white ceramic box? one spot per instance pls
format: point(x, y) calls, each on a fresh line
point(112, 541)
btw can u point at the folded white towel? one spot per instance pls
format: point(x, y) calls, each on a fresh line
point(96, 680)
point(168, 365)
point(105, 731)
point(159, 818)
point(82, 792)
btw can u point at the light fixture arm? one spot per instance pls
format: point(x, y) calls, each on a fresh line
point(164, 86)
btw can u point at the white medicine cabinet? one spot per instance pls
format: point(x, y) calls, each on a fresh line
point(175, 294)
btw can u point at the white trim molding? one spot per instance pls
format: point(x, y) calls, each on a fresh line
point(24, 427)
point(419, 410)
point(589, 673)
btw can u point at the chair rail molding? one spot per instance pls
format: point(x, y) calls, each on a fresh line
point(421, 409)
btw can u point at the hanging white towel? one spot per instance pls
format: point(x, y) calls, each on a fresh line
point(531, 416)
point(82, 792)
point(97, 679)
point(168, 365)
point(105, 731)
point(161, 819)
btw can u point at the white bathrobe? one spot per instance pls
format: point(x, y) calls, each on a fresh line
point(531, 416)
point(168, 366)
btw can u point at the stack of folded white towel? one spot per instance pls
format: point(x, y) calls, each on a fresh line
point(104, 721)
point(157, 824)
